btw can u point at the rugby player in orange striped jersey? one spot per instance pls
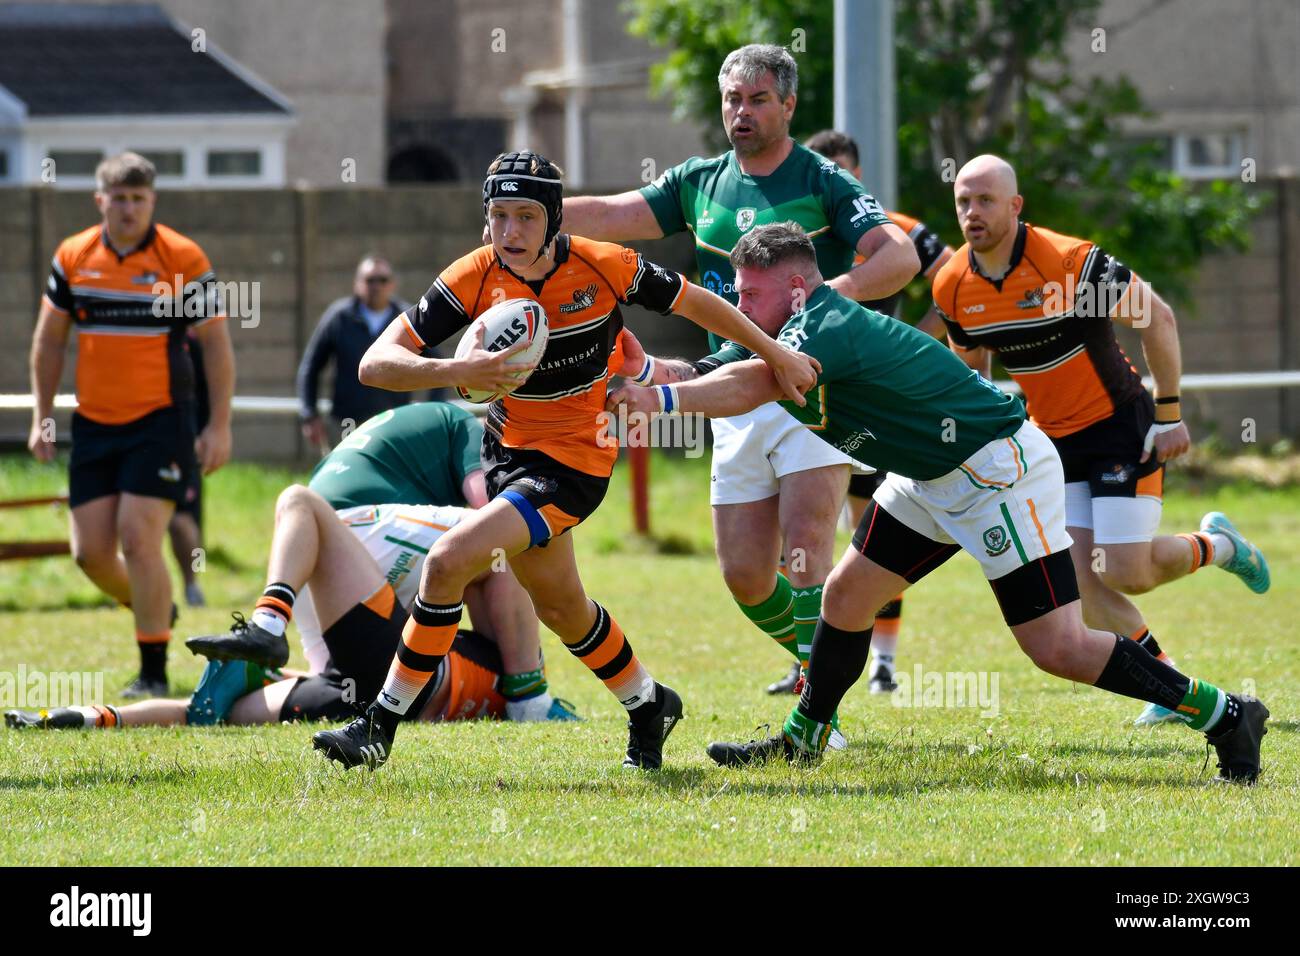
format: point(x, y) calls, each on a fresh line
point(547, 464)
point(133, 442)
point(1045, 303)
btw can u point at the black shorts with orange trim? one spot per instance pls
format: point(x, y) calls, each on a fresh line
point(1107, 454)
point(551, 496)
point(152, 456)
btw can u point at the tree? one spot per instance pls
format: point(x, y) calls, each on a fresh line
point(975, 76)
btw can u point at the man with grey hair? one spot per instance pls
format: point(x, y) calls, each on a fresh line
point(967, 472)
point(774, 485)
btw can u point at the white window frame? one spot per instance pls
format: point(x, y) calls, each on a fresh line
point(1182, 162)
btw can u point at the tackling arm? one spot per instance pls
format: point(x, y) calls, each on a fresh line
point(616, 218)
point(731, 390)
point(796, 373)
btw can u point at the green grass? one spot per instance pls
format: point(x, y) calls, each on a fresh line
point(1058, 776)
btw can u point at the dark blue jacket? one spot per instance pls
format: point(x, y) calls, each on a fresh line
point(344, 336)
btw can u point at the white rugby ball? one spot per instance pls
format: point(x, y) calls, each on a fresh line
point(504, 326)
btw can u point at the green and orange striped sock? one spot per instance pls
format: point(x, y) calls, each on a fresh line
point(775, 617)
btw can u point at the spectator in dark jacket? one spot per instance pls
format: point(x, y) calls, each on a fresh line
point(346, 329)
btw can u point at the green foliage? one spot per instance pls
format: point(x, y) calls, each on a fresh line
point(976, 77)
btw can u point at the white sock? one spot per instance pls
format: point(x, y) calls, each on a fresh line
point(1224, 549)
point(269, 621)
point(89, 715)
point(529, 711)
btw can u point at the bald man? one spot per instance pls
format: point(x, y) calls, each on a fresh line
point(1045, 302)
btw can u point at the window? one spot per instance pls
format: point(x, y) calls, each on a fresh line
point(168, 162)
point(75, 162)
point(1209, 155)
point(234, 162)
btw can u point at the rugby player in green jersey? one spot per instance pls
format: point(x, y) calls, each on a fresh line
point(398, 483)
point(968, 472)
point(774, 488)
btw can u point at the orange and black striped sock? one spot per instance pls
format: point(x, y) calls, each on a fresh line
point(106, 716)
point(274, 609)
point(153, 654)
point(426, 639)
point(606, 651)
point(1202, 549)
point(1144, 638)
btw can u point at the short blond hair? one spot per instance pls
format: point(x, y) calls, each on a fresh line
point(124, 169)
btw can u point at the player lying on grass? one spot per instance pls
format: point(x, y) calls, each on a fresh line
point(399, 483)
point(362, 626)
point(547, 459)
point(1047, 304)
point(968, 472)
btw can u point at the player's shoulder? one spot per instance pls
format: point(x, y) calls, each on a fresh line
point(697, 166)
point(77, 245)
point(904, 221)
point(174, 242)
point(950, 275)
point(602, 256)
point(473, 265)
point(1045, 245)
point(824, 173)
point(831, 312)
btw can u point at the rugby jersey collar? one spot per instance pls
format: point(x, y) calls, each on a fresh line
point(561, 257)
point(1017, 253)
point(145, 241)
point(754, 178)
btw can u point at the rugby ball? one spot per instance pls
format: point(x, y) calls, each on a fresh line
point(504, 326)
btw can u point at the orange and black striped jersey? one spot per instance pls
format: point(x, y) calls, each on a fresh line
point(929, 246)
point(555, 411)
point(130, 319)
point(1049, 319)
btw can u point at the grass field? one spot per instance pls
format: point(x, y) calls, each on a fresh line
point(1059, 775)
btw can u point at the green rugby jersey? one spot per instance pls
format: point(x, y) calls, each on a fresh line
point(719, 203)
point(890, 396)
point(416, 454)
